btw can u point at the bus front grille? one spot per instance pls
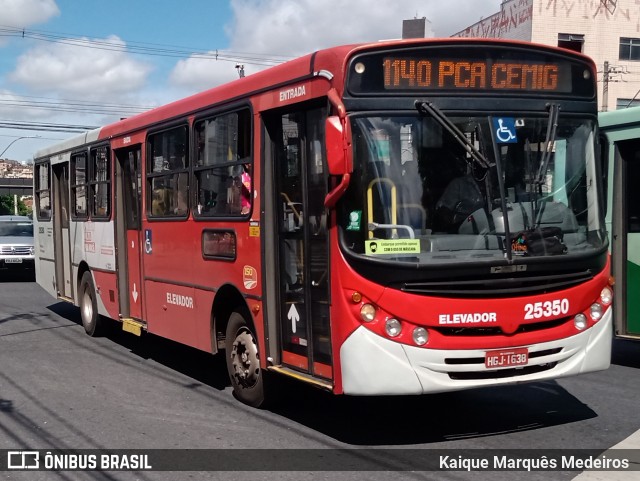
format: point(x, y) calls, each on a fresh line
point(511, 286)
point(500, 373)
point(496, 331)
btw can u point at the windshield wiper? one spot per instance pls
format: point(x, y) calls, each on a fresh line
point(552, 128)
point(550, 138)
point(426, 107)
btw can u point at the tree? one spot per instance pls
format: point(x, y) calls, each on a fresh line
point(7, 207)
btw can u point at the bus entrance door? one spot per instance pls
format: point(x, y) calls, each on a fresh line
point(302, 267)
point(625, 236)
point(62, 246)
point(128, 225)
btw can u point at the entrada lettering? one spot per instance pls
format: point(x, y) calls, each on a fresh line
point(292, 93)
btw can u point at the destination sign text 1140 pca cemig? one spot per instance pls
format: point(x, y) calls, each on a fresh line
point(402, 73)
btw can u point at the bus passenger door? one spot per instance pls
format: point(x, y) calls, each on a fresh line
point(300, 186)
point(128, 227)
point(626, 236)
point(62, 247)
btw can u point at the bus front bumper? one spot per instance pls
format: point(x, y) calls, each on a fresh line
point(373, 365)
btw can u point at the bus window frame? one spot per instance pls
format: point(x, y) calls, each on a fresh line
point(74, 185)
point(246, 160)
point(38, 190)
point(170, 173)
point(219, 257)
point(602, 145)
point(92, 182)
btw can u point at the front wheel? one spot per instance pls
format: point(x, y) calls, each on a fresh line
point(243, 361)
point(91, 321)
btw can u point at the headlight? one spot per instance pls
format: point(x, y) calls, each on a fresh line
point(580, 321)
point(606, 296)
point(420, 336)
point(367, 312)
point(393, 327)
point(596, 311)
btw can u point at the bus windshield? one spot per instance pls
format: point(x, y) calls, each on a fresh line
point(435, 189)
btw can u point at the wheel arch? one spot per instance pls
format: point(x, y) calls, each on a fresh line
point(82, 268)
point(227, 300)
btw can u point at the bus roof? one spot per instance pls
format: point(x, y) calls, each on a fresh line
point(332, 60)
point(70, 143)
point(618, 118)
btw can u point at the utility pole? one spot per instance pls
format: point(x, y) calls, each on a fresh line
point(610, 73)
point(15, 140)
point(605, 86)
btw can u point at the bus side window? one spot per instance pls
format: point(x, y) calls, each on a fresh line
point(223, 184)
point(168, 173)
point(160, 202)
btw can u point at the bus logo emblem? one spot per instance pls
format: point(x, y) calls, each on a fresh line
point(249, 277)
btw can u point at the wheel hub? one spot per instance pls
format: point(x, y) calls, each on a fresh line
point(244, 359)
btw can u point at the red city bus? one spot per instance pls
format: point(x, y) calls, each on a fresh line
point(403, 217)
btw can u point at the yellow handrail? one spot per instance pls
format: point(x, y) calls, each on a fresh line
point(394, 211)
point(292, 206)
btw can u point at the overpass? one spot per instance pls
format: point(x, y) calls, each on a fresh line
point(18, 187)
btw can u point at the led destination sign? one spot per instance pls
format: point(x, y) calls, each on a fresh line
point(400, 73)
point(471, 69)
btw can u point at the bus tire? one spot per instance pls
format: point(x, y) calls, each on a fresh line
point(243, 361)
point(91, 321)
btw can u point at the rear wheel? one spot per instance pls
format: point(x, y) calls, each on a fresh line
point(91, 321)
point(243, 361)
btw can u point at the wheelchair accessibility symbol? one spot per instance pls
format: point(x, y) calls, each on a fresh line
point(505, 130)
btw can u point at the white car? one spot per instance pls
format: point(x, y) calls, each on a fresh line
point(16, 242)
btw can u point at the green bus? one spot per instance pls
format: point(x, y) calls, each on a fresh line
point(620, 130)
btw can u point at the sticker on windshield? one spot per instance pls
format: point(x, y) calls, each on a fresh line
point(355, 219)
point(392, 246)
point(505, 130)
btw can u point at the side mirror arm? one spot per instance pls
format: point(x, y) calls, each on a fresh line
point(338, 138)
point(338, 191)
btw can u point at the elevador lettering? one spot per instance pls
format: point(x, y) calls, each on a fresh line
point(467, 318)
point(178, 300)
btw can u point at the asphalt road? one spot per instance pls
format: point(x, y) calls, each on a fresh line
point(61, 389)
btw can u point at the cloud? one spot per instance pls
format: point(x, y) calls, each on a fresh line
point(296, 27)
point(196, 74)
point(80, 72)
point(270, 28)
point(13, 107)
point(18, 14)
point(22, 13)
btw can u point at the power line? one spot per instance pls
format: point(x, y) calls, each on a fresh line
point(74, 106)
point(84, 102)
point(99, 108)
point(142, 48)
point(39, 137)
point(45, 127)
point(78, 108)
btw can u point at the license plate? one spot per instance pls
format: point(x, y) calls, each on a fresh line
point(506, 358)
point(13, 260)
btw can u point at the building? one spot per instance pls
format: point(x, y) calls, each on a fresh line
point(606, 30)
point(14, 169)
point(416, 28)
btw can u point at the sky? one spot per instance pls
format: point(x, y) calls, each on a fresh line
point(73, 64)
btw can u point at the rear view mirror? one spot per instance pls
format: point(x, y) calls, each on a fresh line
point(338, 140)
